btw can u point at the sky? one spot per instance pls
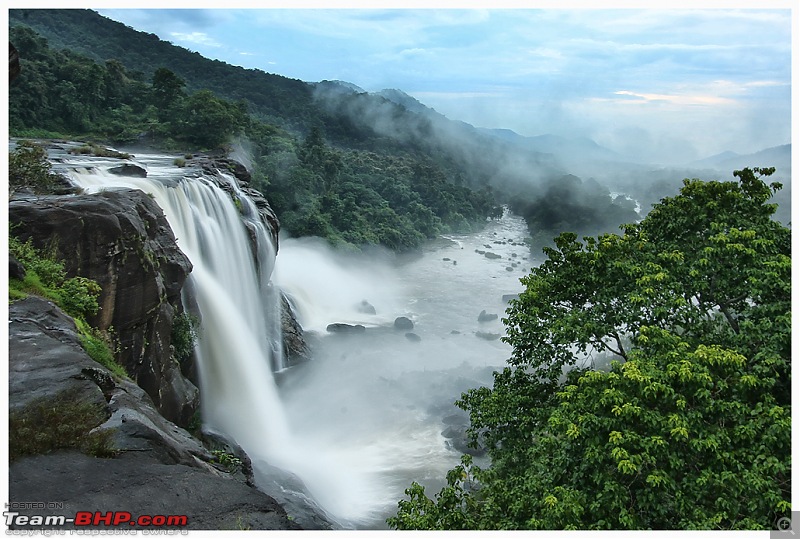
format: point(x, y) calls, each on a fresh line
point(661, 85)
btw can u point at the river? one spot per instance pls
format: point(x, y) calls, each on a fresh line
point(377, 399)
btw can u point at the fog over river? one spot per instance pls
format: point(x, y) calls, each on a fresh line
point(376, 399)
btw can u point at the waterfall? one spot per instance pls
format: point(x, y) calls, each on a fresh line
point(239, 339)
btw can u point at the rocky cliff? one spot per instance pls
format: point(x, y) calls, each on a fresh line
point(121, 239)
point(157, 467)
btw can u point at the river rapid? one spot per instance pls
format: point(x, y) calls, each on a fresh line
point(378, 401)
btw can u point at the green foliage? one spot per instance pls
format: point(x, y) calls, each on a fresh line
point(99, 151)
point(28, 168)
point(100, 348)
point(195, 424)
point(228, 460)
point(361, 198)
point(567, 203)
point(690, 426)
point(52, 424)
point(166, 92)
point(77, 296)
point(44, 274)
point(185, 328)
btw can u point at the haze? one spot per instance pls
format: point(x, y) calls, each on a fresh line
point(661, 86)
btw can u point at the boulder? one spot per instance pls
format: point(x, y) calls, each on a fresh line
point(15, 268)
point(457, 439)
point(129, 169)
point(142, 487)
point(265, 213)
point(295, 346)
point(121, 239)
point(212, 167)
point(492, 256)
point(486, 317)
point(366, 307)
point(345, 328)
point(154, 462)
point(45, 356)
point(487, 336)
point(456, 419)
point(403, 323)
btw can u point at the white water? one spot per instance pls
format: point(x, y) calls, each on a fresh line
point(362, 420)
point(377, 398)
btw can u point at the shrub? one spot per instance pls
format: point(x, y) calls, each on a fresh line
point(52, 424)
point(28, 168)
point(184, 335)
point(99, 348)
point(77, 296)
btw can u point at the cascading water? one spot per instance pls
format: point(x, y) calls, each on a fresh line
point(363, 419)
point(238, 346)
point(239, 339)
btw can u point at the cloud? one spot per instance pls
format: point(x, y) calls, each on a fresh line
point(694, 73)
point(195, 38)
point(454, 95)
point(674, 99)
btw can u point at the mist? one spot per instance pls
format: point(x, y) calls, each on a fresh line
point(374, 402)
point(558, 182)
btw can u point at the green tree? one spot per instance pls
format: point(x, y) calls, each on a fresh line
point(688, 425)
point(166, 92)
point(29, 168)
point(209, 121)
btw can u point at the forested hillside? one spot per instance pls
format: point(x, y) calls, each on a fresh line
point(386, 169)
point(354, 197)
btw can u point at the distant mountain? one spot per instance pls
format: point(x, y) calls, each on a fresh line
point(565, 148)
point(406, 101)
point(344, 86)
point(779, 157)
point(714, 160)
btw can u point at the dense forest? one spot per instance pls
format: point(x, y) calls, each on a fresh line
point(381, 156)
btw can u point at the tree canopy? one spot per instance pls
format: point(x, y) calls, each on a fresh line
point(649, 383)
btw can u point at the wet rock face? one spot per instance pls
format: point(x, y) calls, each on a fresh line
point(121, 239)
point(159, 468)
point(294, 343)
point(129, 169)
point(241, 175)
